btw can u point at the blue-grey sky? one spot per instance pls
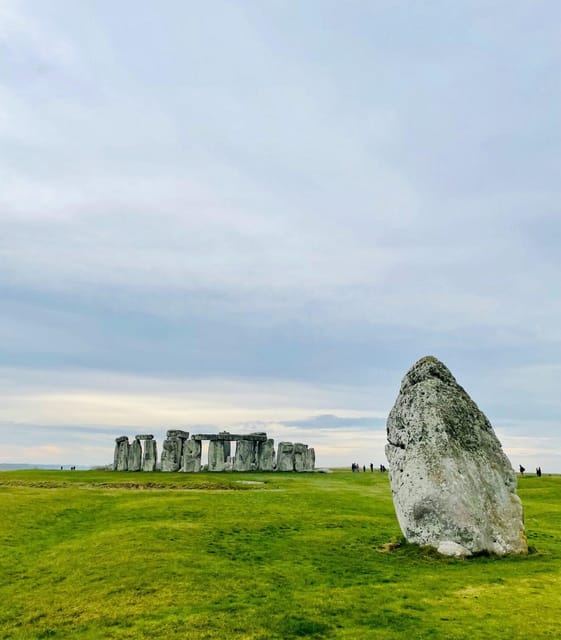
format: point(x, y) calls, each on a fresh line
point(259, 214)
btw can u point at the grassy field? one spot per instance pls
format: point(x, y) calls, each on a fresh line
point(115, 555)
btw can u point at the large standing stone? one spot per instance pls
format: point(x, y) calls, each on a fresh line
point(191, 456)
point(227, 444)
point(135, 455)
point(453, 487)
point(258, 446)
point(150, 456)
point(310, 461)
point(172, 450)
point(285, 456)
point(121, 456)
point(300, 455)
point(245, 455)
point(216, 455)
point(266, 455)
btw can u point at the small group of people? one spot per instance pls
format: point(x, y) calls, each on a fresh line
point(355, 467)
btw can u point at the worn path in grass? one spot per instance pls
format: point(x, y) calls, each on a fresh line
point(115, 555)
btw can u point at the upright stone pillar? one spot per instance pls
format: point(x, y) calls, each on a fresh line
point(257, 448)
point(135, 455)
point(227, 445)
point(121, 456)
point(267, 455)
point(300, 456)
point(245, 455)
point(216, 457)
point(285, 456)
point(310, 462)
point(172, 450)
point(150, 457)
point(191, 456)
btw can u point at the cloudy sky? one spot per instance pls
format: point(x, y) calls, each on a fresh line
point(256, 215)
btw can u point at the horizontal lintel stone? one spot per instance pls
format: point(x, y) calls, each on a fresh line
point(230, 437)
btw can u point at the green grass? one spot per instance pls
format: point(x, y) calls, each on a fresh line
point(114, 555)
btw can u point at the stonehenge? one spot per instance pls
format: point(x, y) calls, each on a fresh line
point(135, 456)
point(267, 455)
point(121, 458)
point(132, 457)
point(217, 458)
point(285, 456)
point(172, 449)
point(191, 456)
point(150, 453)
point(253, 452)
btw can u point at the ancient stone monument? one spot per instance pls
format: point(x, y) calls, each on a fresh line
point(130, 457)
point(300, 457)
point(285, 456)
point(453, 487)
point(121, 457)
point(266, 455)
point(172, 450)
point(191, 456)
point(245, 456)
point(217, 458)
point(254, 452)
point(150, 456)
point(135, 455)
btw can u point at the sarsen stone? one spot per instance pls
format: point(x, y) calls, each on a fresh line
point(453, 487)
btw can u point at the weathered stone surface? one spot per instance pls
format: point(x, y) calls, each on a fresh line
point(245, 455)
point(150, 455)
point(231, 437)
point(285, 456)
point(310, 462)
point(216, 457)
point(177, 433)
point(227, 446)
point(453, 487)
point(135, 455)
point(121, 456)
point(191, 456)
point(266, 453)
point(300, 456)
point(144, 436)
point(172, 450)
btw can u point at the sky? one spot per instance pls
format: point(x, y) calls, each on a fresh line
point(257, 215)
